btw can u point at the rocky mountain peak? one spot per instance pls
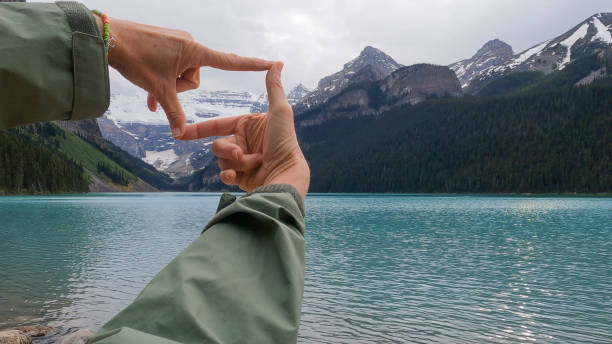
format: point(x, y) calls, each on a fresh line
point(380, 61)
point(380, 65)
point(297, 93)
point(495, 47)
point(492, 53)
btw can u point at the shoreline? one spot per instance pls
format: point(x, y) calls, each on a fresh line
point(481, 194)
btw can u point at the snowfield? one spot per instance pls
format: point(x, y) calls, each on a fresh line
point(570, 41)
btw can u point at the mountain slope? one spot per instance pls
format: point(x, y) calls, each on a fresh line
point(588, 37)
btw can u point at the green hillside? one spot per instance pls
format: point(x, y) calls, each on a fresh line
point(29, 162)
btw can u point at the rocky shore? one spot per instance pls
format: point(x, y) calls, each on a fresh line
point(28, 334)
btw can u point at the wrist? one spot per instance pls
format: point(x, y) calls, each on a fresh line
point(298, 176)
point(115, 26)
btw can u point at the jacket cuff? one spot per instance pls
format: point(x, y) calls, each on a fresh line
point(90, 68)
point(279, 188)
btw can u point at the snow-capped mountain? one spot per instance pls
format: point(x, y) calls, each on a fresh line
point(130, 125)
point(381, 66)
point(492, 53)
point(588, 37)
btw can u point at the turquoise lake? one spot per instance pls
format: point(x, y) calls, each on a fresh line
point(379, 268)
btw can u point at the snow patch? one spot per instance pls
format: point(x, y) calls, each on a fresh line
point(527, 54)
point(603, 33)
point(162, 159)
point(570, 41)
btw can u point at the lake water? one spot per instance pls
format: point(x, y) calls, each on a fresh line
point(384, 269)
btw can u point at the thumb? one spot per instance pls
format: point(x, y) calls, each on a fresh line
point(174, 111)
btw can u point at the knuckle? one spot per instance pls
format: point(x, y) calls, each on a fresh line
point(174, 115)
point(216, 146)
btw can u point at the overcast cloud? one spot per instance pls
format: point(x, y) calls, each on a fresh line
point(316, 37)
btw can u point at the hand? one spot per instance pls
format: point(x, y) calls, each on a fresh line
point(263, 148)
point(164, 62)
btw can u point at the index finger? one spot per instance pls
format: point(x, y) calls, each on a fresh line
point(225, 61)
point(213, 127)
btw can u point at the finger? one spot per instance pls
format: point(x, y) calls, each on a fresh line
point(274, 86)
point(228, 177)
point(224, 148)
point(151, 103)
point(247, 163)
point(220, 60)
point(189, 80)
point(213, 127)
point(174, 111)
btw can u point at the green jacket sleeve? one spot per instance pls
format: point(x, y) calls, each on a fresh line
point(241, 281)
point(52, 63)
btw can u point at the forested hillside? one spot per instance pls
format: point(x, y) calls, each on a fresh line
point(45, 158)
point(556, 141)
point(29, 164)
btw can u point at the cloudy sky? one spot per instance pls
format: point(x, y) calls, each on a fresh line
point(316, 37)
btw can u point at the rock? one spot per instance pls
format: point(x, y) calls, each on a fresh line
point(78, 337)
point(34, 331)
point(414, 84)
point(14, 337)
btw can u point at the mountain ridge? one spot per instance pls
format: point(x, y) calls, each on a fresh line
point(589, 36)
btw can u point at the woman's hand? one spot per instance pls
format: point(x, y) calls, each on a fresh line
point(164, 62)
point(263, 148)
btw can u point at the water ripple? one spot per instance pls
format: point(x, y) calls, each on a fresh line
point(380, 269)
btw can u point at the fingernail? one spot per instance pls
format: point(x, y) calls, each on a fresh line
point(235, 154)
point(176, 132)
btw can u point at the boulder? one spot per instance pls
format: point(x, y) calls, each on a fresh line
point(14, 337)
point(34, 331)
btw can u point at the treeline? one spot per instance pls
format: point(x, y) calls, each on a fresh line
point(28, 163)
point(549, 142)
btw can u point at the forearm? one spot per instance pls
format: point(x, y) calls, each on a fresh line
point(241, 281)
point(52, 64)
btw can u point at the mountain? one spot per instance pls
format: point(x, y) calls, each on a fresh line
point(551, 141)
point(367, 89)
point(380, 66)
point(492, 53)
point(407, 85)
point(130, 125)
point(588, 37)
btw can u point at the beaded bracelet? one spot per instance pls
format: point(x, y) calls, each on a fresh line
point(106, 37)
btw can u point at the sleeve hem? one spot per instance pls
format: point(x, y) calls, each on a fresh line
point(277, 188)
